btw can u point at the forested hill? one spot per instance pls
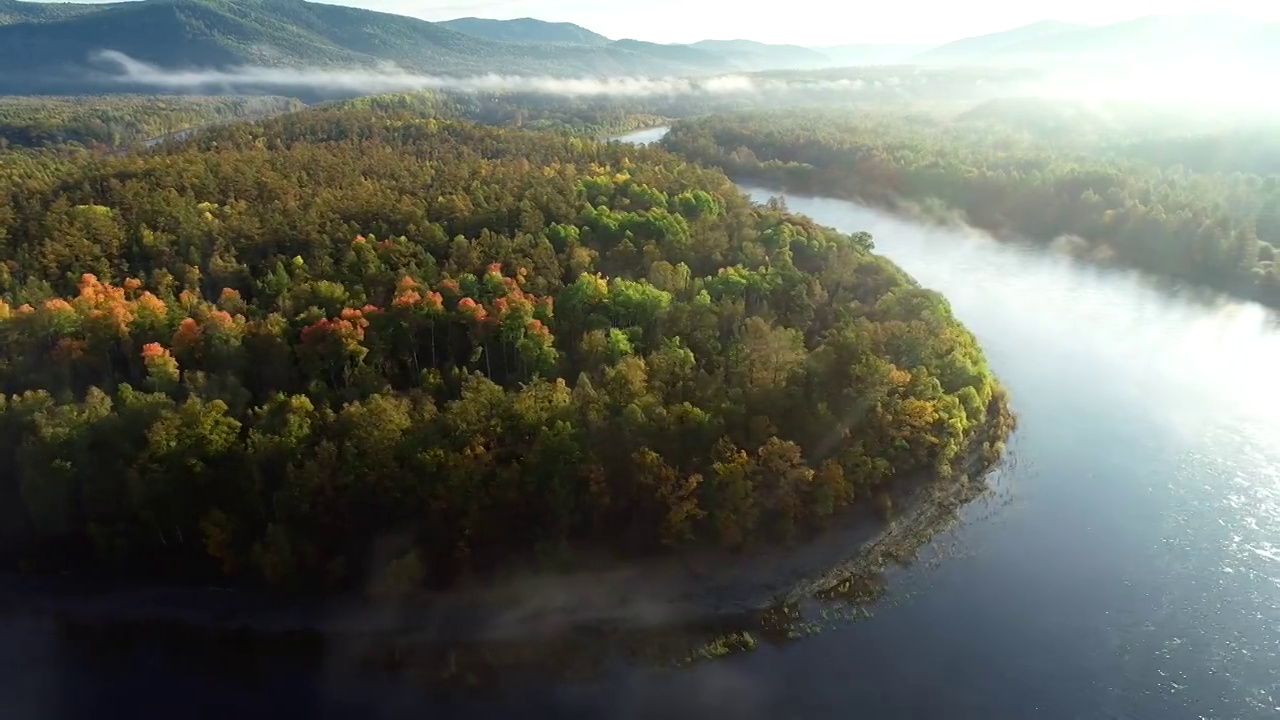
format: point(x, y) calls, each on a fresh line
point(19, 11)
point(49, 48)
point(527, 30)
point(54, 48)
point(1219, 229)
point(52, 52)
point(342, 348)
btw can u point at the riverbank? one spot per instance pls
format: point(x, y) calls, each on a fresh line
point(936, 214)
point(1223, 261)
point(697, 588)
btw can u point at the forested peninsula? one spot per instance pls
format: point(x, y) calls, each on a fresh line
point(342, 348)
point(1219, 228)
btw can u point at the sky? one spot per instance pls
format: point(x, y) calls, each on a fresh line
point(813, 22)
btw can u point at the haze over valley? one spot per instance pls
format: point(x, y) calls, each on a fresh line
point(204, 45)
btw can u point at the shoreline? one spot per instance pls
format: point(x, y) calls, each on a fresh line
point(702, 587)
point(1096, 253)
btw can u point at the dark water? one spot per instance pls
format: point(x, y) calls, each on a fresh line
point(1131, 568)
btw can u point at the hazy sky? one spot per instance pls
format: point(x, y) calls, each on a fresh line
point(812, 22)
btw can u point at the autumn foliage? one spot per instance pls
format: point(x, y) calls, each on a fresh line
point(347, 381)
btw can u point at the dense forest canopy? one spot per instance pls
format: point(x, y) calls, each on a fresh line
point(345, 346)
point(593, 116)
point(1218, 228)
point(974, 108)
point(121, 120)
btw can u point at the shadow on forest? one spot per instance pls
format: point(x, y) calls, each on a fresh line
point(487, 669)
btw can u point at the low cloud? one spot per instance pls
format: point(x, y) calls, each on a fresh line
point(389, 78)
point(394, 79)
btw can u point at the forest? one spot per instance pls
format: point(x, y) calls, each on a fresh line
point(591, 116)
point(109, 122)
point(117, 122)
point(1204, 138)
point(352, 347)
point(1018, 175)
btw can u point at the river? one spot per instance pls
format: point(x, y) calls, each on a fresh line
point(1131, 568)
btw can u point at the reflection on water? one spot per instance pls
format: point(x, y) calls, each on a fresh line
point(483, 667)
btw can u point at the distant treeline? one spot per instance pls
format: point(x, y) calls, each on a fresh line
point(1198, 138)
point(581, 116)
point(115, 121)
point(1215, 228)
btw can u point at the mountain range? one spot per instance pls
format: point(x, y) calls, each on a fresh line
point(51, 47)
point(1153, 40)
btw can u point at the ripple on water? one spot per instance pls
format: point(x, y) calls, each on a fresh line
point(1213, 614)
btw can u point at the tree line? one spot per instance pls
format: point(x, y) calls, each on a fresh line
point(594, 116)
point(1200, 138)
point(345, 347)
point(121, 120)
point(1220, 229)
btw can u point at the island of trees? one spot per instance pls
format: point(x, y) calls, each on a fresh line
point(342, 347)
point(1029, 169)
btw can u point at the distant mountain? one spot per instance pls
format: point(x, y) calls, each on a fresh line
point(1154, 40)
point(850, 55)
point(48, 48)
point(14, 11)
point(527, 30)
point(739, 55)
point(750, 55)
point(680, 54)
point(1179, 39)
point(996, 45)
point(52, 49)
